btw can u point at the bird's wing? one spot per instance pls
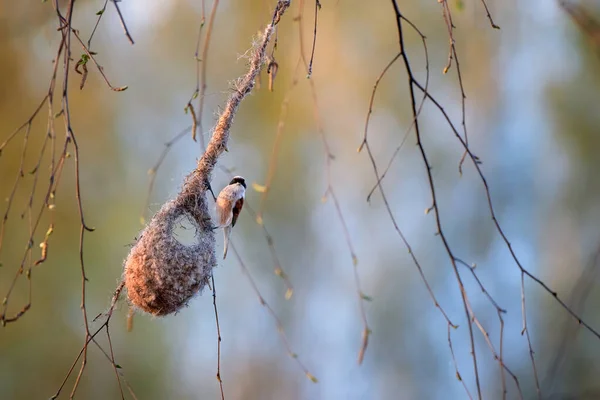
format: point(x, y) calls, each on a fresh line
point(223, 208)
point(237, 209)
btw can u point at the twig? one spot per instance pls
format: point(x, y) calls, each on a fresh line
point(487, 11)
point(99, 14)
point(578, 298)
point(56, 165)
point(117, 367)
point(440, 232)
point(458, 375)
point(499, 311)
point(525, 331)
point(214, 290)
point(499, 229)
point(152, 171)
point(412, 124)
point(372, 100)
point(365, 144)
point(331, 191)
point(201, 75)
point(498, 358)
point(115, 2)
point(100, 68)
point(220, 137)
point(91, 337)
point(112, 360)
point(278, 270)
point(454, 54)
point(312, 52)
point(71, 137)
point(275, 151)
point(278, 323)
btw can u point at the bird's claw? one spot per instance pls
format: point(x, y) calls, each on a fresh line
point(207, 183)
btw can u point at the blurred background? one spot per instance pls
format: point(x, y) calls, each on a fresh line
point(533, 95)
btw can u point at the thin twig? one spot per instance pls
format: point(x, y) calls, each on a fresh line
point(412, 124)
point(152, 171)
point(49, 144)
point(365, 144)
point(214, 290)
point(112, 360)
point(458, 375)
point(314, 44)
point(497, 225)
point(91, 337)
point(331, 192)
point(487, 11)
point(118, 367)
point(278, 323)
point(579, 295)
point(122, 20)
point(525, 331)
point(90, 54)
point(201, 82)
point(99, 14)
point(454, 54)
point(499, 311)
point(399, 18)
point(276, 145)
point(218, 142)
point(278, 270)
point(372, 100)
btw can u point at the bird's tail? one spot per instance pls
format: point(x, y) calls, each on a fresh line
point(226, 234)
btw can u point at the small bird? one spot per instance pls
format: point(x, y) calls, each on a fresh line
point(229, 204)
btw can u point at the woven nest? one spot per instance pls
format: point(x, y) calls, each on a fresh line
point(162, 274)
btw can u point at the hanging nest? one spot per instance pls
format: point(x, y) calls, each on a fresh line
point(161, 273)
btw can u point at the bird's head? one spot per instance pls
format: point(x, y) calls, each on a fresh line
point(238, 179)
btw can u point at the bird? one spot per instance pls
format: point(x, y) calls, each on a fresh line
point(228, 206)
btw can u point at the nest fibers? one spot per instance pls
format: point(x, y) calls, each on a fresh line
point(162, 274)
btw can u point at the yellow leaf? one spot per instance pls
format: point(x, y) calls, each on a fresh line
point(289, 293)
point(259, 188)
